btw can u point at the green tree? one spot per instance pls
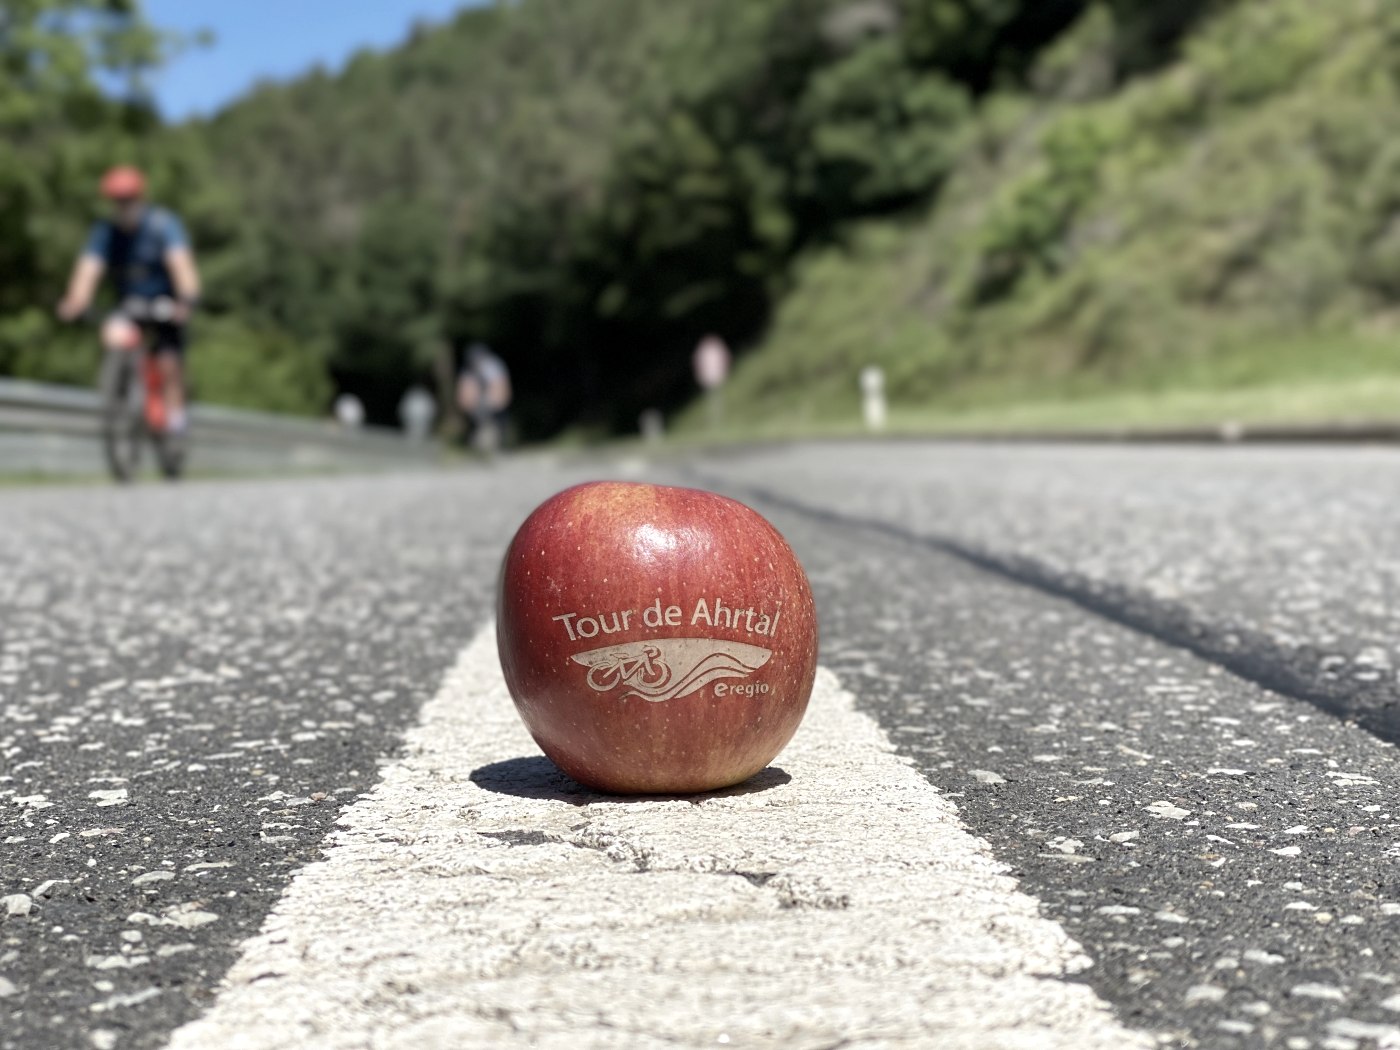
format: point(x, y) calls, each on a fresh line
point(58, 129)
point(388, 320)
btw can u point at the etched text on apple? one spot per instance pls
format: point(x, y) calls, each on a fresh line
point(709, 612)
point(663, 669)
point(742, 689)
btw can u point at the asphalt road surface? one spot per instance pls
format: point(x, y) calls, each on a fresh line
point(1103, 755)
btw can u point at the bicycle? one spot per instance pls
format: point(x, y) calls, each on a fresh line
point(647, 670)
point(133, 398)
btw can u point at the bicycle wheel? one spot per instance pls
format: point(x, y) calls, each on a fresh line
point(170, 454)
point(122, 425)
point(602, 677)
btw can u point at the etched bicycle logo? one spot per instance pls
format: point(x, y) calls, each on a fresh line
point(646, 670)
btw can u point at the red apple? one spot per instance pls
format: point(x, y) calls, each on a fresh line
point(655, 640)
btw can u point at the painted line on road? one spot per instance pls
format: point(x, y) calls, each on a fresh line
point(477, 898)
point(1288, 669)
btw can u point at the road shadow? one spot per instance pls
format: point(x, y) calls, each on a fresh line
point(536, 777)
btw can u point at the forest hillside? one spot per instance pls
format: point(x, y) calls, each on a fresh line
point(997, 201)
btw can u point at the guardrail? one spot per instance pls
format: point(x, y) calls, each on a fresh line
point(54, 430)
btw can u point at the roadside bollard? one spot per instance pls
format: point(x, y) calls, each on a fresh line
point(872, 389)
point(417, 412)
point(652, 424)
point(350, 411)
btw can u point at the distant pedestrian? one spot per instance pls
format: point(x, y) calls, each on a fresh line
point(711, 362)
point(484, 395)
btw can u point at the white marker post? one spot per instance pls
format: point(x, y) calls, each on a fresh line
point(350, 411)
point(872, 390)
point(417, 411)
point(652, 425)
point(711, 361)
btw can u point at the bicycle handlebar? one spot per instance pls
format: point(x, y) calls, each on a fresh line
point(161, 309)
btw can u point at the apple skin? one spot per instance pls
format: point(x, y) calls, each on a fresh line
point(693, 698)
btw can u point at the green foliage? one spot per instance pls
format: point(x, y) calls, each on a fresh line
point(268, 369)
point(877, 132)
point(51, 114)
point(1231, 218)
point(439, 189)
point(387, 328)
point(984, 42)
point(1025, 228)
point(593, 187)
point(30, 347)
point(590, 188)
point(58, 131)
point(968, 192)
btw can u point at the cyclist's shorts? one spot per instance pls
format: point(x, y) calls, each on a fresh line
point(163, 337)
point(168, 338)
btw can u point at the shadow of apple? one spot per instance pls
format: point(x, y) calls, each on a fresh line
point(536, 777)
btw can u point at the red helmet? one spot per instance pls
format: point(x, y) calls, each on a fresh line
point(123, 183)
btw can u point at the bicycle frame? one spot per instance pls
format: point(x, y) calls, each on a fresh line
point(131, 369)
point(154, 411)
point(157, 417)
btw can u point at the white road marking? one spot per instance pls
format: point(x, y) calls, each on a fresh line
point(846, 905)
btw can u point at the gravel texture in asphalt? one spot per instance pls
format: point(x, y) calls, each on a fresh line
point(193, 682)
point(1279, 563)
point(796, 911)
point(1226, 855)
point(1159, 682)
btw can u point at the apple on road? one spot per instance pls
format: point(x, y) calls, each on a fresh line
point(656, 640)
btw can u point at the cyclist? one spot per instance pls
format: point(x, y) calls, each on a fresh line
point(484, 394)
point(146, 252)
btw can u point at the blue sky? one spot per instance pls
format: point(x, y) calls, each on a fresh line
point(276, 39)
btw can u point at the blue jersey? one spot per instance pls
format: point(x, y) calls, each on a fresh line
point(136, 258)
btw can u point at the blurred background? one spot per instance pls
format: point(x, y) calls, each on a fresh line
point(1024, 213)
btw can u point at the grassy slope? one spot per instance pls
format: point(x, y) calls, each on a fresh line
point(1220, 240)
